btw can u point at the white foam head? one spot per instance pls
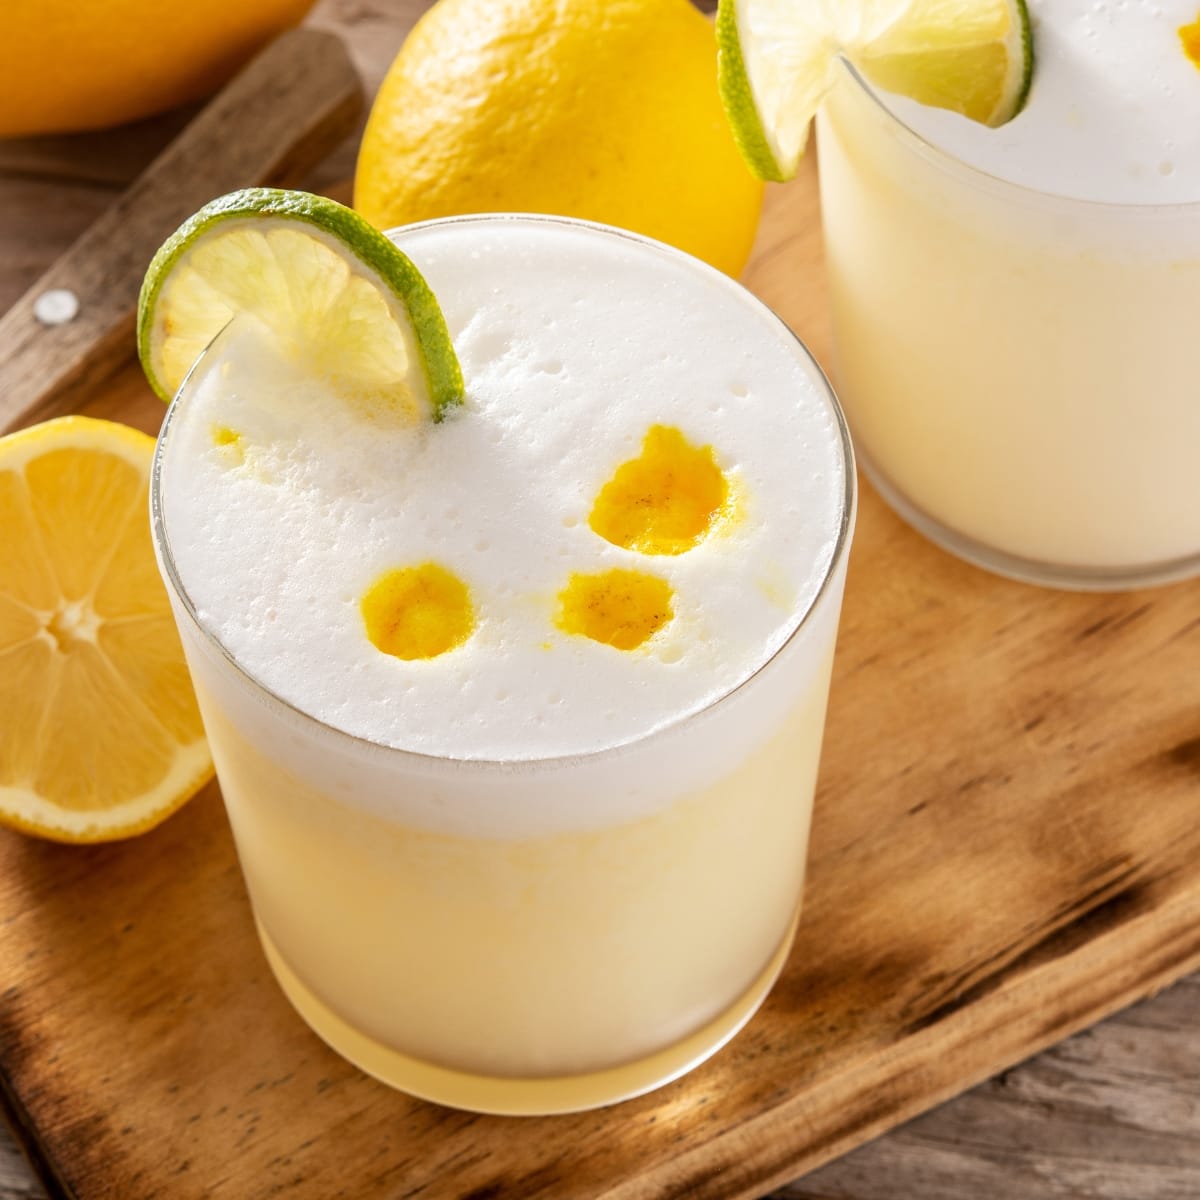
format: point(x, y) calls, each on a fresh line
point(1113, 114)
point(573, 343)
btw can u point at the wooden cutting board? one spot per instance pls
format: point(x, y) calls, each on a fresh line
point(1006, 848)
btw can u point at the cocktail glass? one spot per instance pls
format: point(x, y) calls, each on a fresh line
point(1018, 368)
point(535, 935)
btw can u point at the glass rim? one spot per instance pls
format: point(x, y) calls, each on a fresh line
point(267, 694)
point(986, 180)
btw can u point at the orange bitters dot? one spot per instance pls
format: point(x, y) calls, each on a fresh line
point(222, 435)
point(230, 442)
point(664, 501)
point(418, 612)
point(618, 608)
point(1190, 36)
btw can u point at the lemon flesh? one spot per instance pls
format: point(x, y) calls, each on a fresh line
point(100, 736)
point(329, 285)
point(778, 59)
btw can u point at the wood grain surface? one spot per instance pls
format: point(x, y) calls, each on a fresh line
point(1006, 848)
point(1110, 1114)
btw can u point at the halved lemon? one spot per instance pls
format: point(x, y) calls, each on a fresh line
point(778, 58)
point(338, 294)
point(100, 737)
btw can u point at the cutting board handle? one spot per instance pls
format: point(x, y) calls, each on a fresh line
point(272, 123)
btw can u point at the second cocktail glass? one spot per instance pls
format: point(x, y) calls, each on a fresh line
point(1018, 368)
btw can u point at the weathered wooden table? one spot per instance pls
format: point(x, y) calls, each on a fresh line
point(1112, 1113)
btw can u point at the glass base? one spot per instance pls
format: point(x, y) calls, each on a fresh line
point(1027, 570)
point(523, 1097)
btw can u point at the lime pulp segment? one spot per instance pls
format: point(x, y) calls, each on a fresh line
point(319, 276)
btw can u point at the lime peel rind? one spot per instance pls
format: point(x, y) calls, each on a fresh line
point(1026, 44)
point(752, 133)
point(733, 82)
point(360, 240)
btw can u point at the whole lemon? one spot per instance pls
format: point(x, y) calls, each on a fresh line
point(604, 109)
point(71, 65)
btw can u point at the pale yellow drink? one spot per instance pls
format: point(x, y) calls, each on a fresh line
point(583, 884)
point(1014, 308)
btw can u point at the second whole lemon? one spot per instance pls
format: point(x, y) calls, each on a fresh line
point(607, 111)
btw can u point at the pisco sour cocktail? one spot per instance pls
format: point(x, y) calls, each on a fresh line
point(1014, 308)
point(517, 714)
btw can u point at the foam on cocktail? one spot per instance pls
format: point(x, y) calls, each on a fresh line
point(1113, 114)
point(287, 505)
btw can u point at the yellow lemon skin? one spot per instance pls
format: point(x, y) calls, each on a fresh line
point(73, 65)
point(607, 111)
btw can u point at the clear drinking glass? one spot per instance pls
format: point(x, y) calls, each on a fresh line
point(537, 935)
point(1018, 368)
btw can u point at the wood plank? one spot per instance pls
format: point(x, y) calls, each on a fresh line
point(1110, 1114)
point(112, 158)
point(17, 1181)
point(373, 31)
point(39, 221)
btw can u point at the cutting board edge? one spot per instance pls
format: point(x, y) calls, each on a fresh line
point(746, 1168)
